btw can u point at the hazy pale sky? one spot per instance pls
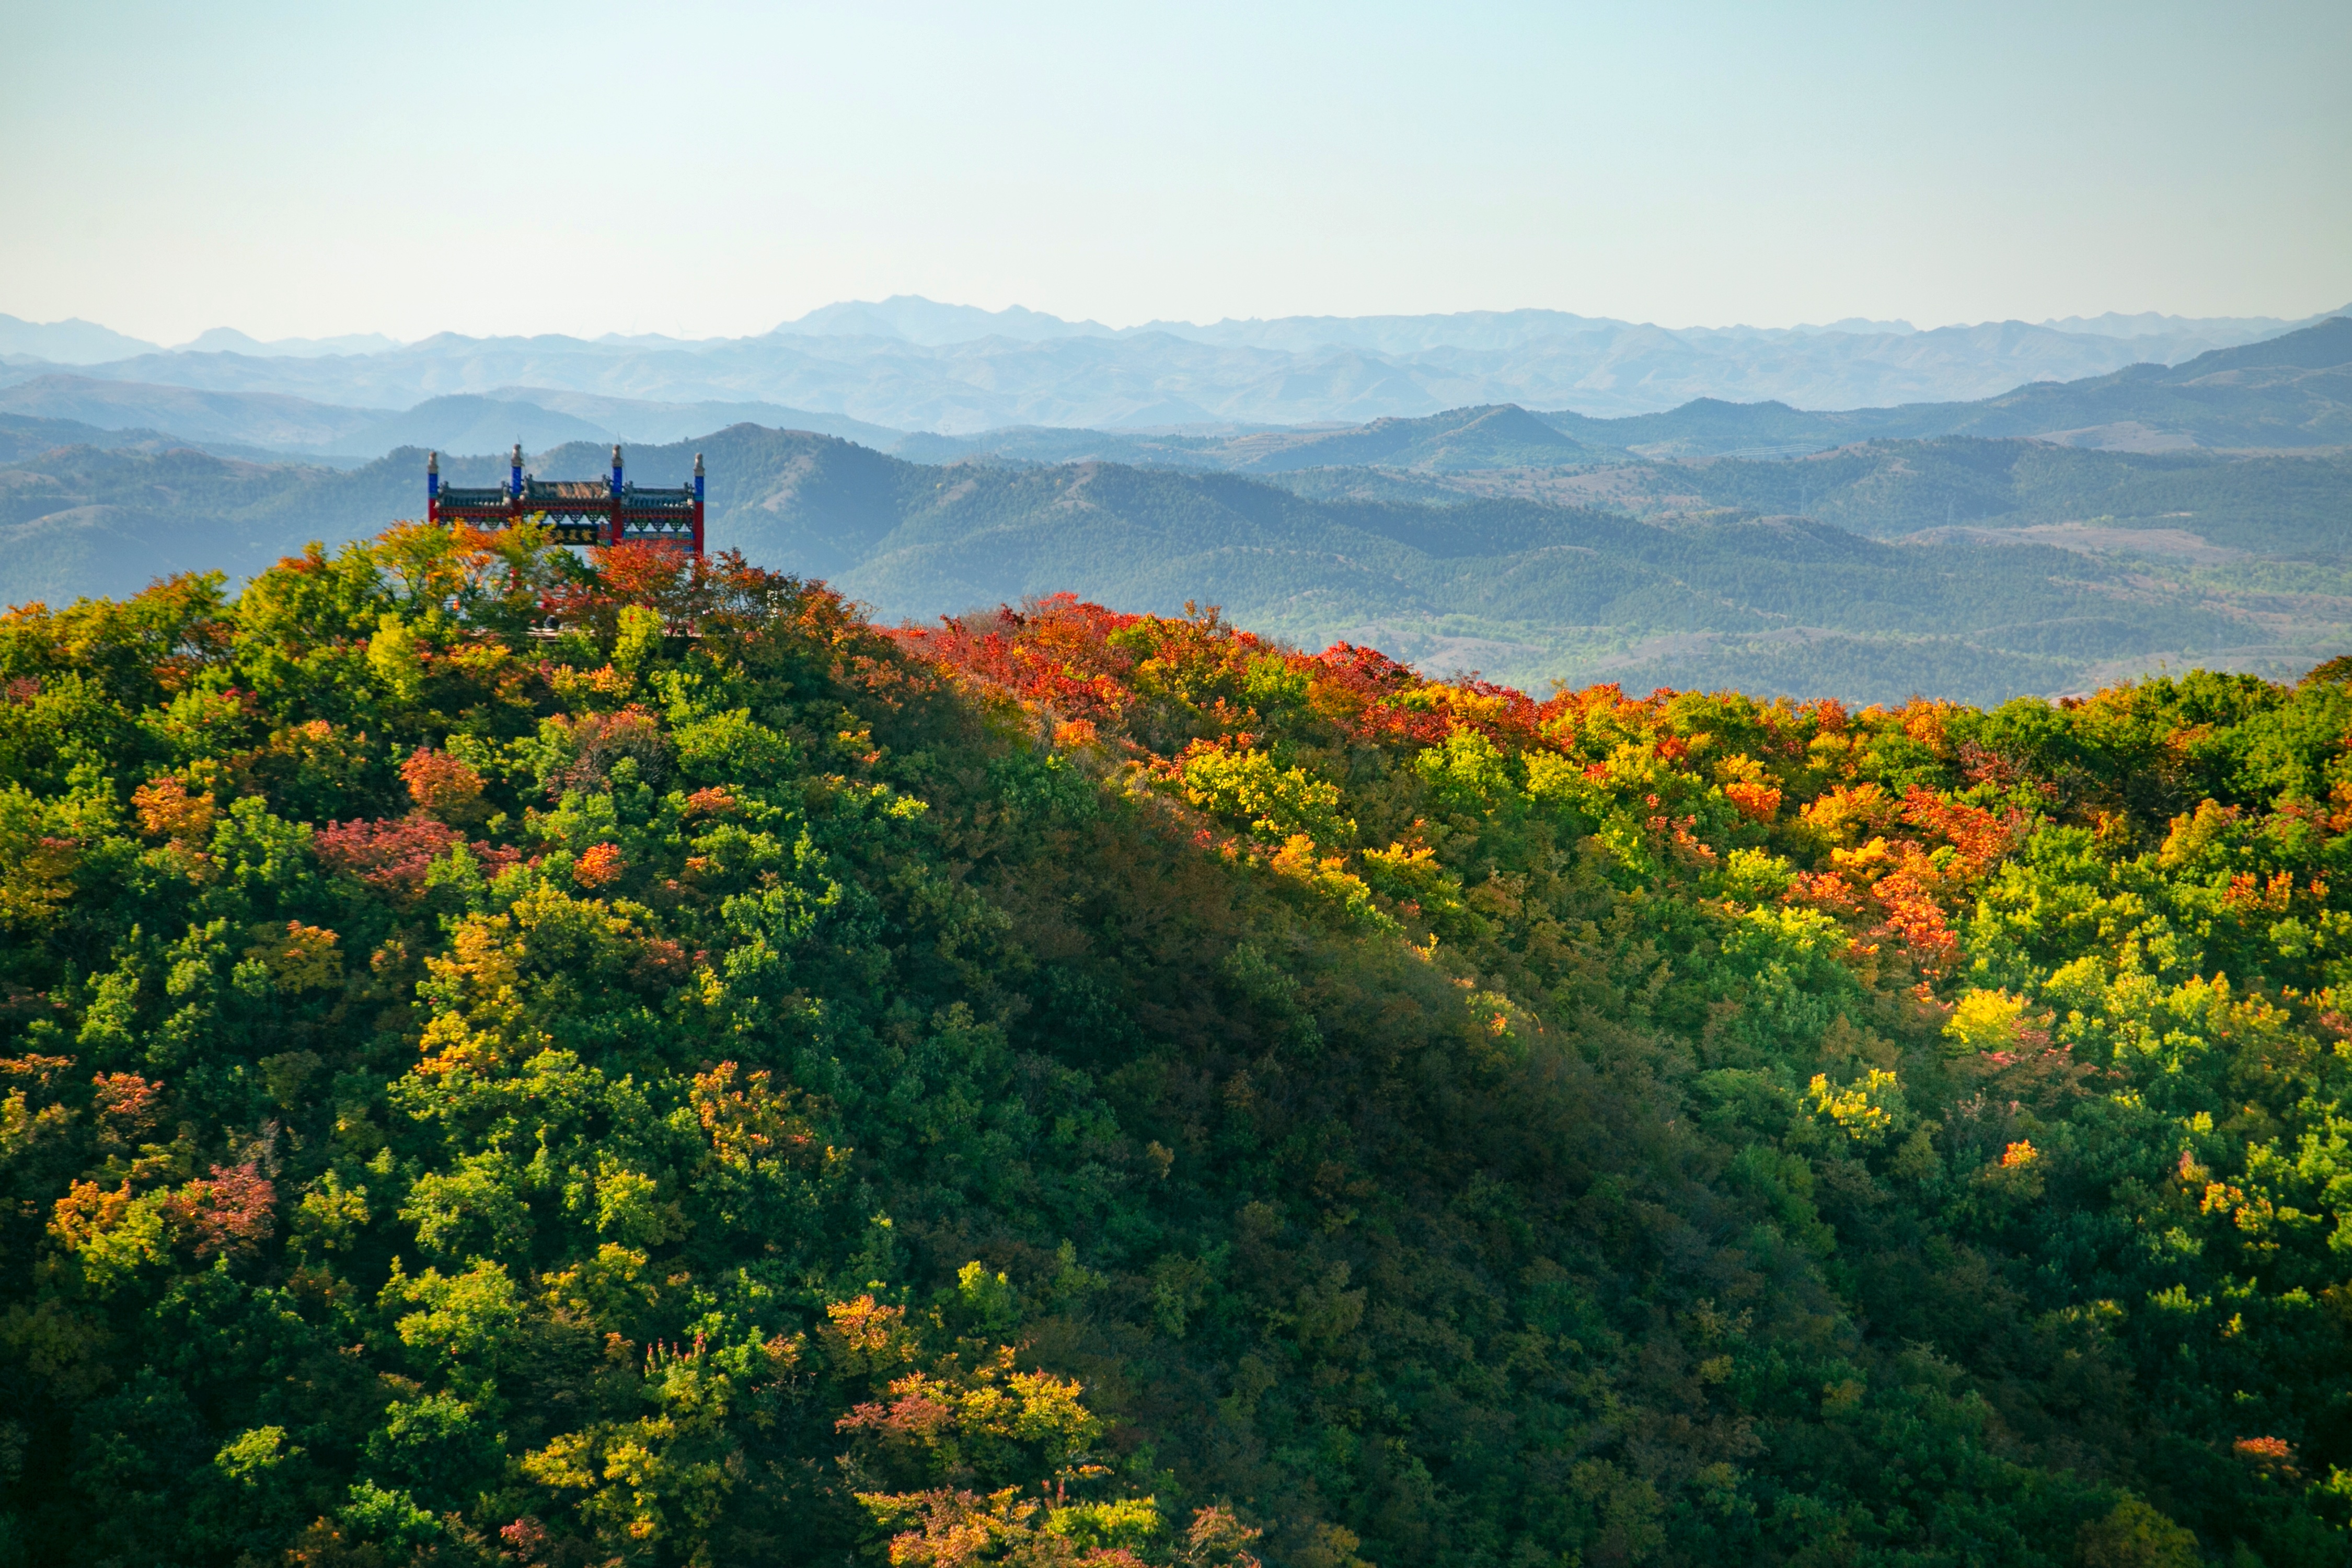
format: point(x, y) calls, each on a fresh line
point(708, 168)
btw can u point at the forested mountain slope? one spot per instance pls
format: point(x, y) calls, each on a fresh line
point(81, 520)
point(22, 437)
point(1076, 1088)
point(2280, 505)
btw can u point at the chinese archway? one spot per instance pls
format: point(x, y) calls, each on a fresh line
point(578, 511)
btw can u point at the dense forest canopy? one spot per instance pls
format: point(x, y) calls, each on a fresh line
point(721, 1082)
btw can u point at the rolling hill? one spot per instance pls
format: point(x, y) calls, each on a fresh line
point(2061, 568)
point(912, 365)
point(251, 419)
point(2290, 392)
point(2288, 504)
point(22, 437)
point(475, 423)
point(1071, 1089)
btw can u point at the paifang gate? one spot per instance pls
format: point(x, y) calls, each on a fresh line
point(577, 511)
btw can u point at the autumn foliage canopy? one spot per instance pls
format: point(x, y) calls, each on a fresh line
point(719, 1082)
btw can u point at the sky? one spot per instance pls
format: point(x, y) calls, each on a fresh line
point(713, 169)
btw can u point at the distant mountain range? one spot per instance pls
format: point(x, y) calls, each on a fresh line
point(911, 365)
point(2041, 540)
point(69, 341)
point(2288, 392)
point(1964, 567)
point(2293, 390)
point(240, 423)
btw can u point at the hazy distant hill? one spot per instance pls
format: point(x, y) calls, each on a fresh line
point(228, 339)
point(910, 318)
point(83, 520)
point(1498, 438)
point(468, 422)
point(1726, 595)
point(2295, 390)
point(458, 422)
point(257, 418)
point(629, 419)
point(913, 364)
point(70, 342)
point(540, 418)
point(1460, 439)
point(1532, 546)
point(2006, 566)
point(2181, 506)
point(2292, 391)
point(21, 438)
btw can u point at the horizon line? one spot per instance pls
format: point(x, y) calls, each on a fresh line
point(1858, 326)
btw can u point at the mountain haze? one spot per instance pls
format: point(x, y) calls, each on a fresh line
point(1999, 566)
point(1871, 553)
point(255, 418)
point(911, 365)
point(2293, 390)
point(70, 342)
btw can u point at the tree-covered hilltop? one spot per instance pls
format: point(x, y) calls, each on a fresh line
point(728, 1084)
point(1980, 570)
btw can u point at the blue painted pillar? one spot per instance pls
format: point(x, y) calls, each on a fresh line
point(616, 493)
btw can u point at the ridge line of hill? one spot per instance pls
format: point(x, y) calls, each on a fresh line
point(2290, 392)
point(1159, 381)
point(1968, 567)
